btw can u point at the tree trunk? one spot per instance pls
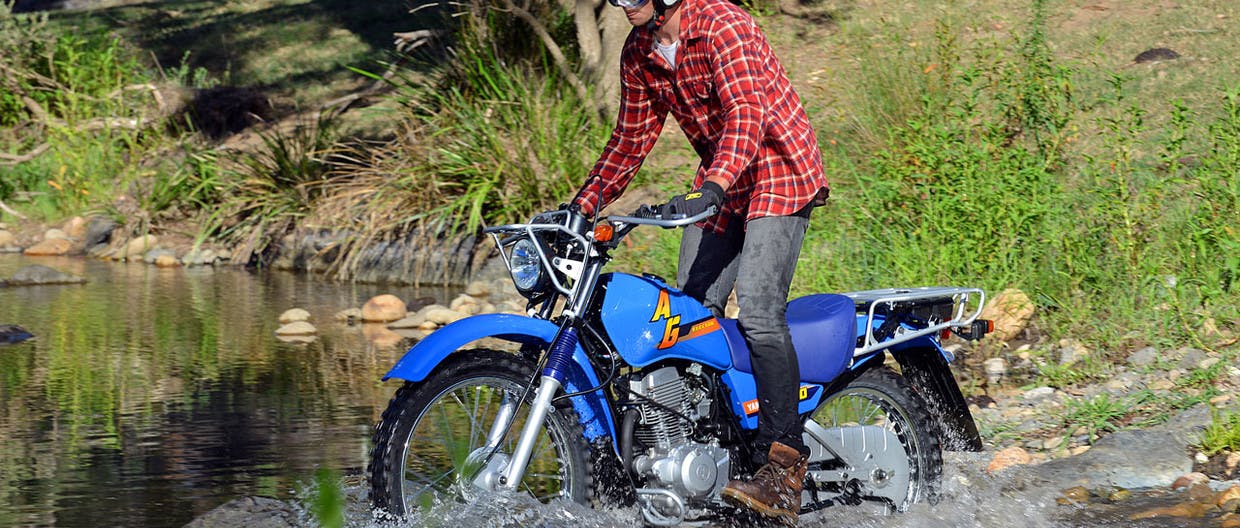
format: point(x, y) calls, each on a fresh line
point(601, 30)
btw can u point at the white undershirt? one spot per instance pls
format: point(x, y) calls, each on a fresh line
point(668, 51)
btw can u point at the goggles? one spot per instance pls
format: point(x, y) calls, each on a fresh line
point(628, 4)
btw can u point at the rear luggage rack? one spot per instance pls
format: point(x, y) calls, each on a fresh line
point(954, 302)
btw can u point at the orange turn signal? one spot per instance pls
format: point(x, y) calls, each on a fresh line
point(603, 232)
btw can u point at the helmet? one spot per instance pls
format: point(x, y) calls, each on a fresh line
point(660, 8)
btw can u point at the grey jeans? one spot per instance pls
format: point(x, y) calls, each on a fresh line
point(758, 257)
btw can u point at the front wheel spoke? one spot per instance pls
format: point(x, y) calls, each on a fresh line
point(433, 482)
point(469, 416)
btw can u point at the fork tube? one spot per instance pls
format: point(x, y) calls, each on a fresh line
point(559, 357)
point(525, 445)
point(503, 418)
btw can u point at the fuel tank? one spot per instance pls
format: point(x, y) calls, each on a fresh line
point(648, 320)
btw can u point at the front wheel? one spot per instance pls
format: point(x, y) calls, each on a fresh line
point(888, 452)
point(437, 437)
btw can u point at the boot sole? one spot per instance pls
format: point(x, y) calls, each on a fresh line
point(737, 498)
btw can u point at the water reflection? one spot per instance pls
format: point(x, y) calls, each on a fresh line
point(152, 395)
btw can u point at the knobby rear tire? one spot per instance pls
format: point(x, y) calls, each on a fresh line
point(408, 433)
point(906, 414)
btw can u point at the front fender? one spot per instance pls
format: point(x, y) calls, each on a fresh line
point(428, 353)
point(424, 356)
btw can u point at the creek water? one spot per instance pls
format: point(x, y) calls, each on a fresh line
point(151, 396)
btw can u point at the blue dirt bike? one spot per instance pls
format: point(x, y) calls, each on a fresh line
point(620, 388)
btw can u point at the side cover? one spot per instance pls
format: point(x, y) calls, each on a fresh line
point(647, 321)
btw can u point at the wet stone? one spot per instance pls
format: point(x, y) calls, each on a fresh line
point(1074, 495)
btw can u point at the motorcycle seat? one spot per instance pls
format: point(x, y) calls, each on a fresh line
point(824, 334)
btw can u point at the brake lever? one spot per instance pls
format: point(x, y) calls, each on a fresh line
point(652, 212)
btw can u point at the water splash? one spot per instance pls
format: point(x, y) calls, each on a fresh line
point(970, 498)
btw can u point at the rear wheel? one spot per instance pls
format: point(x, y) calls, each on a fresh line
point(432, 442)
point(887, 439)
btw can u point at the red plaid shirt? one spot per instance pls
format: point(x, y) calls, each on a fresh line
point(733, 100)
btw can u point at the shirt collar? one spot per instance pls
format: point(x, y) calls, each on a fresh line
point(690, 20)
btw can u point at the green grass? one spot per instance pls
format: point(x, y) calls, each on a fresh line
point(1099, 415)
point(1223, 433)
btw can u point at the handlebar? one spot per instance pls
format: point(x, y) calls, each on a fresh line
point(646, 215)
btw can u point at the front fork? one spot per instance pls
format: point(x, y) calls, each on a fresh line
point(558, 360)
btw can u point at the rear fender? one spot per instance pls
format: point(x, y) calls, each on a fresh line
point(426, 355)
point(927, 370)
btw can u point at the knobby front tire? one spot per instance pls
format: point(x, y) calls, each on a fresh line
point(424, 442)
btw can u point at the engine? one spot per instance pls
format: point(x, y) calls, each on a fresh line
point(678, 470)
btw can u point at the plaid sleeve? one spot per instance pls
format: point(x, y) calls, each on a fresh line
point(738, 81)
point(636, 130)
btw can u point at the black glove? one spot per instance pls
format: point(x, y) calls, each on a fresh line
point(694, 203)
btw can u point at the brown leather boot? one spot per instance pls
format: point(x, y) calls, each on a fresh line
point(775, 490)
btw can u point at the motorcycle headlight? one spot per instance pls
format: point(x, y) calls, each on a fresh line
point(525, 266)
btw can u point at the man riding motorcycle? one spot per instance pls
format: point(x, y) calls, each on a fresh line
point(709, 65)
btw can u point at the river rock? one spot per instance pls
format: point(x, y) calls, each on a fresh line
point(249, 512)
point(138, 247)
point(297, 328)
point(442, 316)
point(1006, 458)
point(54, 234)
point(36, 274)
point(1229, 499)
point(349, 316)
point(200, 257)
point(383, 308)
point(1149, 458)
point(7, 239)
point(294, 315)
point(1011, 311)
point(478, 289)
point(1190, 479)
point(50, 248)
point(408, 322)
point(462, 300)
point(167, 261)
point(151, 256)
point(99, 232)
point(75, 227)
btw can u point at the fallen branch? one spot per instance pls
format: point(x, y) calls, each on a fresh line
point(10, 159)
point(159, 99)
point(410, 40)
point(104, 123)
point(6, 209)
